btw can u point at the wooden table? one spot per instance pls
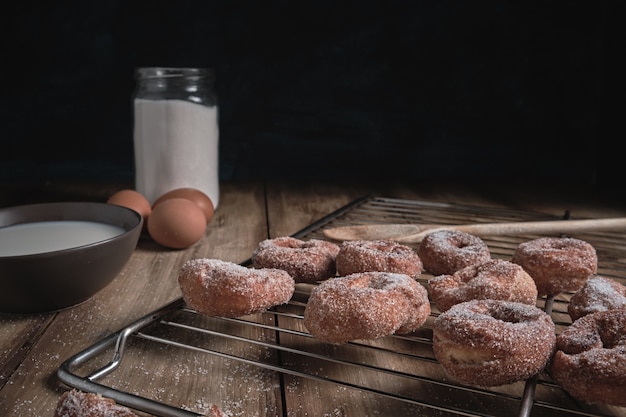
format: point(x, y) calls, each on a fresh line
point(34, 346)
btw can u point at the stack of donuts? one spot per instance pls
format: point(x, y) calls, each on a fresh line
point(365, 289)
point(488, 330)
point(491, 333)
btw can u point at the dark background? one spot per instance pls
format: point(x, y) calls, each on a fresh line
point(419, 90)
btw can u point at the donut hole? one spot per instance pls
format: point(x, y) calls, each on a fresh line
point(509, 314)
point(559, 245)
point(610, 335)
point(376, 281)
point(465, 243)
point(608, 343)
point(382, 282)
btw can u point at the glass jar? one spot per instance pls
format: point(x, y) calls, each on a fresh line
point(176, 134)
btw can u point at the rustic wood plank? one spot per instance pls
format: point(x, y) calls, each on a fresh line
point(293, 206)
point(18, 334)
point(34, 346)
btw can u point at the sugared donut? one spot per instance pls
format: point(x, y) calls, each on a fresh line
point(590, 361)
point(377, 256)
point(305, 260)
point(493, 342)
point(597, 294)
point(495, 279)
point(76, 403)
point(444, 252)
point(219, 288)
point(366, 305)
point(557, 264)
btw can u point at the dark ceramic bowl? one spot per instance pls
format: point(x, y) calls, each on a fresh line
point(60, 262)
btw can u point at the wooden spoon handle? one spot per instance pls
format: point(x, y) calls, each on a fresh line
point(556, 226)
point(551, 226)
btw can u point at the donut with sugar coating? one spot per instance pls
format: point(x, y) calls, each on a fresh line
point(493, 342)
point(443, 252)
point(218, 288)
point(377, 256)
point(305, 260)
point(366, 305)
point(557, 264)
point(590, 361)
point(597, 294)
point(495, 279)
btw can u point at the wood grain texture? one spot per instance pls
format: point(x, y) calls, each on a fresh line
point(34, 346)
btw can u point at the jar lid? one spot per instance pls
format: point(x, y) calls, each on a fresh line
point(173, 72)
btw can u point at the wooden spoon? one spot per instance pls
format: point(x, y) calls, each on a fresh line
point(414, 233)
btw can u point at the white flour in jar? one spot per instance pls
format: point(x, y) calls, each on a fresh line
point(176, 146)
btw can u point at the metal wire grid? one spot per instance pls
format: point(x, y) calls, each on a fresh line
point(290, 352)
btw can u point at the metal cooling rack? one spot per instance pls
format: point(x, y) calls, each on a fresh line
point(290, 353)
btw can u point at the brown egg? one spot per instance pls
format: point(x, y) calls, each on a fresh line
point(177, 223)
point(197, 196)
point(133, 200)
